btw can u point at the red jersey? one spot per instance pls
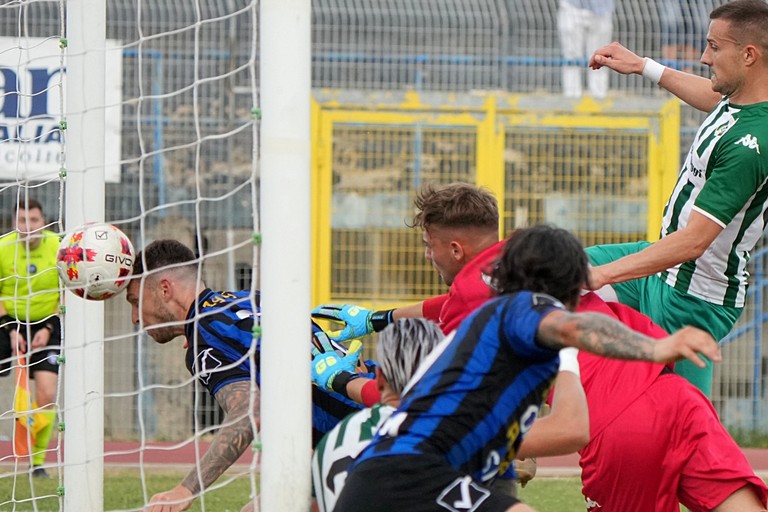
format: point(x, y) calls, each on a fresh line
point(470, 289)
point(610, 385)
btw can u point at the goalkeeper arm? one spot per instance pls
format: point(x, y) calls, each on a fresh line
point(359, 321)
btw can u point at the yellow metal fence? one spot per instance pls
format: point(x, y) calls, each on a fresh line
point(601, 170)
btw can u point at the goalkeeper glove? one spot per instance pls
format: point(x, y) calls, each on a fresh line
point(322, 344)
point(330, 366)
point(359, 321)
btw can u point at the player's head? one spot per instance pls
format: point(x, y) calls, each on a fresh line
point(737, 45)
point(401, 348)
point(29, 220)
point(164, 273)
point(543, 259)
point(458, 221)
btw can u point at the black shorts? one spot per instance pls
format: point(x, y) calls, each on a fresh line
point(43, 359)
point(416, 483)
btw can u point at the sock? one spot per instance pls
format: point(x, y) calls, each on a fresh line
point(40, 444)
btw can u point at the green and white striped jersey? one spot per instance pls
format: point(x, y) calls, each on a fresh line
point(338, 449)
point(724, 178)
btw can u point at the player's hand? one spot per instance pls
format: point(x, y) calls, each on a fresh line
point(596, 278)
point(687, 343)
point(40, 339)
point(525, 469)
point(325, 367)
point(358, 320)
point(18, 343)
point(617, 58)
point(176, 500)
point(322, 344)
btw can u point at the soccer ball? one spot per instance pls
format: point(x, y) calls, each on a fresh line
point(95, 261)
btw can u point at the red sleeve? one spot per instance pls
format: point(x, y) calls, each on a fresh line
point(369, 394)
point(431, 308)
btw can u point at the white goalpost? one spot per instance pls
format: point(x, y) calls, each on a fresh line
point(161, 138)
point(83, 337)
point(285, 221)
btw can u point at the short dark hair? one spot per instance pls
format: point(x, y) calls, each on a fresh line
point(28, 204)
point(749, 21)
point(163, 253)
point(455, 205)
point(542, 259)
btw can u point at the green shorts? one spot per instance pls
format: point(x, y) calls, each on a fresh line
point(669, 308)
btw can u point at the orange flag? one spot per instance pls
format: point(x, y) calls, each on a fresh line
point(28, 422)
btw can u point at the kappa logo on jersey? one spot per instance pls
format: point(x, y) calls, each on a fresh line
point(750, 142)
point(592, 504)
point(206, 364)
point(463, 495)
point(539, 301)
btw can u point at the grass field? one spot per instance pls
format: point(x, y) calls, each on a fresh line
point(123, 492)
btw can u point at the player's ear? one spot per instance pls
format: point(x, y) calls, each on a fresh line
point(457, 250)
point(165, 288)
point(381, 380)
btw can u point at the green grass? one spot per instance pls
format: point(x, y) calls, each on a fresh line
point(553, 495)
point(123, 492)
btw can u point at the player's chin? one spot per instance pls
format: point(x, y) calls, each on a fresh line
point(160, 336)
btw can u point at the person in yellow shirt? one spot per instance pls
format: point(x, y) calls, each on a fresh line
point(29, 303)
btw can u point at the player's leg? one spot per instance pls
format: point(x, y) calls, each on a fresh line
point(597, 35)
point(44, 370)
point(572, 45)
point(673, 310)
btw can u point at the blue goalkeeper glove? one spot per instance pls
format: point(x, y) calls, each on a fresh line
point(359, 321)
point(322, 344)
point(328, 366)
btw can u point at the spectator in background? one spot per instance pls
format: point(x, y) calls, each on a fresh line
point(29, 304)
point(684, 26)
point(584, 26)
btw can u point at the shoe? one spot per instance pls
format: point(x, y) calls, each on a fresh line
point(40, 472)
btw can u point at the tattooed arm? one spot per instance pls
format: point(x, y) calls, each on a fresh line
point(605, 336)
point(229, 443)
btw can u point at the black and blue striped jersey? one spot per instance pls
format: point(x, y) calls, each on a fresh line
point(479, 391)
point(219, 332)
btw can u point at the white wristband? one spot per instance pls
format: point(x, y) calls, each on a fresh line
point(569, 361)
point(652, 70)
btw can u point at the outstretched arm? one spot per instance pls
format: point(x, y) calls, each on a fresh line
point(693, 89)
point(229, 443)
point(601, 335)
